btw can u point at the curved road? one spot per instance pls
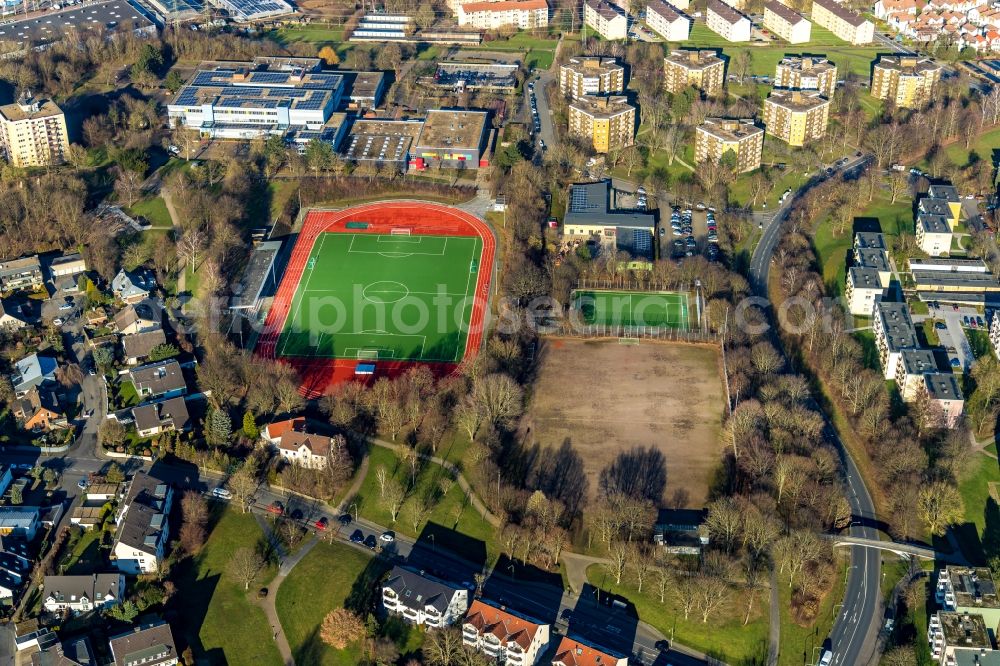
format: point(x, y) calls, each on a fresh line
point(855, 630)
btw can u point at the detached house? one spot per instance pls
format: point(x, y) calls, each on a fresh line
point(150, 645)
point(422, 599)
point(138, 346)
point(141, 537)
point(135, 319)
point(132, 287)
point(39, 411)
point(508, 638)
point(160, 417)
point(11, 319)
point(80, 594)
point(33, 371)
point(574, 652)
point(24, 273)
point(159, 380)
point(307, 450)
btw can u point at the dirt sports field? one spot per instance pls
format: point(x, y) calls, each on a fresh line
point(607, 397)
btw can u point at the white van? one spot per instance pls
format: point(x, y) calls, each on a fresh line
point(826, 659)
point(221, 493)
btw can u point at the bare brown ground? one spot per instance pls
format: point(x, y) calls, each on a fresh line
point(608, 397)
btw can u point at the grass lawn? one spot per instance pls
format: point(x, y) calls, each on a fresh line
point(537, 52)
point(154, 210)
point(984, 146)
point(85, 558)
point(979, 340)
point(215, 614)
point(975, 490)
point(798, 642)
point(312, 35)
point(724, 636)
point(451, 511)
point(930, 333)
point(329, 576)
point(127, 395)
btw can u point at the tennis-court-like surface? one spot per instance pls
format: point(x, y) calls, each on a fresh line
point(631, 309)
point(384, 296)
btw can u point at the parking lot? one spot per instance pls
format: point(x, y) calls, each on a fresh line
point(687, 231)
point(952, 336)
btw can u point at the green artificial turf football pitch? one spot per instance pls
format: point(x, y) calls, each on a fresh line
point(632, 309)
point(384, 297)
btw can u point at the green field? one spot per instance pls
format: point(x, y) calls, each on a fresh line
point(381, 297)
point(632, 309)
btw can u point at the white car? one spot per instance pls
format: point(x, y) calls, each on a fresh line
point(221, 493)
point(826, 658)
point(388, 537)
point(57, 321)
point(66, 306)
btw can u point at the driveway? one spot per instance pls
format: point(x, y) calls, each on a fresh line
point(547, 133)
point(954, 337)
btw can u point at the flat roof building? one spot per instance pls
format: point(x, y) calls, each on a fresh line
point(864, 289)
point(268, 96)
point(363, 90)
point(102, 19)
point(806, 73)
point(592, 75)
point(717, 136)
point(796, 116)
point(946, 398)
point(727, 22)
point(948, 265)
point(606, 122)
point(381, 141)
point(608, 20)
point(842, 22)
point(894, 332)
point(591, 215)
point(668, 21)
point(493, 76)
point(870, 239)
point(955, 282)
point(913, 365)
point(33, 132)
point(933, 234)
point(786, 23)
point(961, 639)
point(906, 81)
point(704, 69)
point(453, 138)
point(245, 11)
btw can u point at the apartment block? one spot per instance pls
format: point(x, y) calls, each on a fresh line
point(913, 365)
point(842, 22)
point(422, 599)
point(933, 205)
point(22, 273)
point(949, 195)
point(716, 136)
point(961, 639)
point(796, 116)
point(505, 637)
point(727, 22)
point(995, 333)
point(933, 234)
point(864, 289)
point(703, 69)
point(522, 14)
point(591, 76)
point(946, 400)
point(907, 81)
point(608, 20)
point(607, 122)
point(894, 333)
point(968, 590)
point(786, 23)
point(875, 259)
point(33, 133)
point(668, 21)
point(806, 73)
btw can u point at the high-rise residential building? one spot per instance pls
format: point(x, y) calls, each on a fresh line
point(726, 21)
point(607, 19)
point(668, 21)
point(806, 73)
point(908, 81)
point(591, 76)
point(702, 69)
point(523, 14)
point(33, 132)
point(842, 22)
point(717, 136)
point(786, 23)
point(796, 116)
point(608, 122)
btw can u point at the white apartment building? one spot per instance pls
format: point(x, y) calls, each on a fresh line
point(786, 23)
point(591, 76)
point(960, 639)
point(608, 20)
point(33, 132)
point(864, 289)
point(727, 22)
point(894, 333)
point(668, 21)
point(913, 365)
point(504, 636)
point(143, 530)
point(947, 401)
point(842, 22)
point(83, 593)
point(522, 14)
point(424, 600)
point(934, 234)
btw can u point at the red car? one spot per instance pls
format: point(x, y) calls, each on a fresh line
point(321, 523)
point(276, 508)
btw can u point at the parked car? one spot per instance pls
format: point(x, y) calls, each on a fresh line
point(965, 320)
point(979, 320)
point(221, 493)
point(370, 542)
point(276, 508)
point(955, 362)
point(66, 306)
point(388, 537)
point(940, 326)
point(357, 536)
point(322, 523)
point(345, 519)
point(82, 484)
point(57, 321)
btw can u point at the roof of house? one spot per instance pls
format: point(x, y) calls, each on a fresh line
point(933, 223)
point(318, 445)
point(918, 361)
point(907, 65)
point(865, 239)
point(139, 345)
point(417, 591)
point(785, 12)
point(160, 414)
point(864, 278)
point(159, 378)
point(943, 386)
point(506, 625)
point(71, 589)
point(797, 100)
point(148, 645)
point(141, 312)
point(897, 325)
point(77, 652)
point(841, 12)
point(725, 12)
point(666, 10)
point(129, 285)
point(574, 652)
point(605, 9)
point(592, 64)
point(33, 369)
point(279, 428)
point(602, 106)
point(18, 517)
point(730, 129)
point(20, 264)
point(142, 528)
point(147, 489)
point(870, 257)
point(590, 203)
point(695, 58)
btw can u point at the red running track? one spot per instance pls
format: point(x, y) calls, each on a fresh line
point(423, 219)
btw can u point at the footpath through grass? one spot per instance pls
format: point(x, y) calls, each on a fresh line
point(217, 617)
point(153, 209)
point(724, 636)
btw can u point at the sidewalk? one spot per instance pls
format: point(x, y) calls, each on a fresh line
point(267, 603)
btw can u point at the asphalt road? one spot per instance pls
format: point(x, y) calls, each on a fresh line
point(547, 133)
point(856, 627)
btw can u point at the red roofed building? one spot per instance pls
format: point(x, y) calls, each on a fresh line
point(509, 638)
point(523, 14)
point(572, 652)
point(273, 431)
